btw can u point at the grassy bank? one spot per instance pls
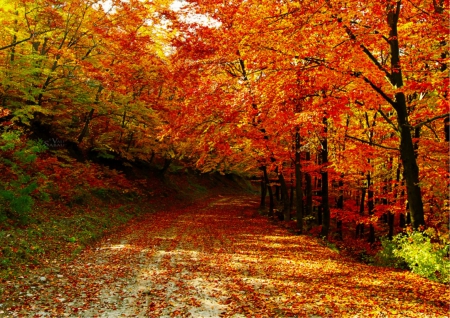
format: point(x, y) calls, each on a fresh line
point(56, 233)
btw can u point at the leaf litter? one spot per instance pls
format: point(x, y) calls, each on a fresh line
point(215, 258)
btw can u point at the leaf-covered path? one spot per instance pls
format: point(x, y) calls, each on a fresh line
point(216, 258)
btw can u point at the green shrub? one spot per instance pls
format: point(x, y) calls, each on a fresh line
point(16, 199)
point(416, 251)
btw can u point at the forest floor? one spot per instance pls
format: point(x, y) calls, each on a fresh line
point(217, 258)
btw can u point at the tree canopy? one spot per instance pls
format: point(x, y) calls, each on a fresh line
point(228, 86)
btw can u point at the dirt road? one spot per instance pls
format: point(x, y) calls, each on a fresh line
point(217, 259)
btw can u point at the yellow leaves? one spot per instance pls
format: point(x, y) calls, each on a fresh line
point(7, 6)
point(406, 26)
point(11, 22)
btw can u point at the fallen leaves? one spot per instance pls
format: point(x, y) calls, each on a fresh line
point(207, 261)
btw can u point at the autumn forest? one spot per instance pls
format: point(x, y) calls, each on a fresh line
point(302, 125)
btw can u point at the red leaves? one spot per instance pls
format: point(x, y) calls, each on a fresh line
point(67, 179)
point(211, 260)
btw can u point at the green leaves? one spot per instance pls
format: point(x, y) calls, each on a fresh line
point(416, 251)
point(21, 204)
point(16, 191)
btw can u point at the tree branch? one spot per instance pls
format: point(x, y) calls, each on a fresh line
point(418, 8)
point(384, 37)
point(430, 120)
point(371, 143)
point(23, 40)
point(281, 16)
point(387, 119)
point(367, 52)
point(376, 89)
point(434, 132)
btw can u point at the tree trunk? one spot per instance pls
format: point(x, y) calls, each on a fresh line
point(277, 193)
point(394, 189)
point(291, 197)
point(165, 167)
point(447, 128)
point(370, 205)
point(402, 220)
point(309, 197)
point(410, 168)
point(269, 188)
point(86, 126)
point(13, 48)
point(298, 185)
point(263, 194)
point(324, 173)
point(340, 205)
point(124, 117)
point(391, 219)
point(360, 226)
point(319, 215)
point(285, 197)
point(48, 80)
point(130, 140)
point(152, 156)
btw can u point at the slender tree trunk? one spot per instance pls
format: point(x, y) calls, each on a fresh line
point(340, 206)
point(416, 142)
point(48, 80)
point(370, 205)
point(402, 197)
point(291, 197)
point(391, 219)
point(86, 126)
point(319, 215)
point(278, 194)
point(152, 156)
point(298, 184)
point(165, 167)
point(124, 117)
point(13, 49)
point(360, 226)
point(130, 140)
point(318, 185)
point(324, 173)
point(285, 198)
point(447, 128)
point(269, 188)
point(402, 221)
point(263, 194)
point(309, 194)
point(395, 192)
